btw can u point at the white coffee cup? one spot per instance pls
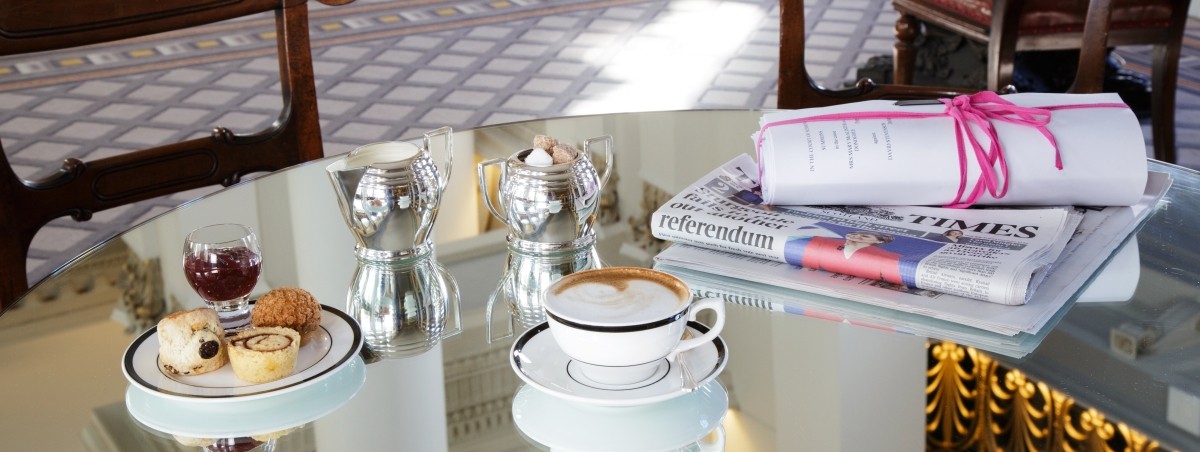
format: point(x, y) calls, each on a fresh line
point(620, 323)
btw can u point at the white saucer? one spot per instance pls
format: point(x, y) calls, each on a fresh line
point(239, 418)
point(670, 425)
point(327, 350)
point(538, 360)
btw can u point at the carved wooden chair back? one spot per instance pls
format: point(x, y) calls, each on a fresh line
point(81, 188)
point(1008, 26)
point(797, 89)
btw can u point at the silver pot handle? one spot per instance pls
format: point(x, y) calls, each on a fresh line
point(453, 322)
point(483, 186)
point(428, 138)
point(489, 313)
point(608, 155)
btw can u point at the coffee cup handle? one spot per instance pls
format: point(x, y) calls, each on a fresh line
point(718, 306)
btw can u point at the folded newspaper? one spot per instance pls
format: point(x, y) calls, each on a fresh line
point(1057, 149)
point(932, 261)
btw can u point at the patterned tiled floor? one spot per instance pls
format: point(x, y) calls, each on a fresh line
point(390, 69)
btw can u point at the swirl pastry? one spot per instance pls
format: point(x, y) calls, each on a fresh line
point(264, 354)
point(190, 342)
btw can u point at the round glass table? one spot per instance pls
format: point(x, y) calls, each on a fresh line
point(791, 379)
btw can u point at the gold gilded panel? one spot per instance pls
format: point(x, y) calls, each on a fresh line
point(973, 403)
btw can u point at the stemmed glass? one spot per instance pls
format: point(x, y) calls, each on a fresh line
point(222, 262)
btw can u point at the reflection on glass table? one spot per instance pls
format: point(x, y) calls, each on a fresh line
point(245, 418)
point(691, 422)
point(792, 381)
point(404, 308)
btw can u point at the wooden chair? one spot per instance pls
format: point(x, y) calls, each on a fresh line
point(81, 188)
point(797, 89)
point(1008, 26)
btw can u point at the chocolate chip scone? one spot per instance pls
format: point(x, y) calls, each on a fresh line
point(191, 342)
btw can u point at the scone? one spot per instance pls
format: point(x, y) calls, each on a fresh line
point(264, 354)
point(192, 441)
point(288, 307)
point(191, 342)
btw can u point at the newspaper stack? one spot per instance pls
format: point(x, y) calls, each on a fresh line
point(1009, 271)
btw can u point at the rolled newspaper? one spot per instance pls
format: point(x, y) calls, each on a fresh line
point(1019, 149)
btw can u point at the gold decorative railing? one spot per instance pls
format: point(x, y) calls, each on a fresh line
point(974, 403)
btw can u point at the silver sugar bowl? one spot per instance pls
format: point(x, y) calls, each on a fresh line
point(389, 194)
point(548, 208)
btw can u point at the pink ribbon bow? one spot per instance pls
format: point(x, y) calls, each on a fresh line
point(971, 113)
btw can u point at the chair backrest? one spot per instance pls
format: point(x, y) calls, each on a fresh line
point(798, 90)
point(1092, 42)
point(81, 188)
point(1090, 26)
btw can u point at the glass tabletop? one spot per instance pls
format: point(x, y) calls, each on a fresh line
point(793, 380)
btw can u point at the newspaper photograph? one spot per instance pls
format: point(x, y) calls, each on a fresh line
point(984, 254)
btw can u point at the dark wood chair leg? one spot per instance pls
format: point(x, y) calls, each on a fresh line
point(904, 55)
point(1093, 52)
point(1002, 45)
point(299, 85)
point(1162, 97)
point(13, 280)
point(14, 240)
point(793, 75)
point(1164, 76)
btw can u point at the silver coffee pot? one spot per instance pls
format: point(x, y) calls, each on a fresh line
point(389, 194)
point(526, 276)
point(404, 308)
point(551, 207)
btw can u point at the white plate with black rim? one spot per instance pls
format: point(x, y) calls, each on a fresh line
point(539, 361)
point(328, 349)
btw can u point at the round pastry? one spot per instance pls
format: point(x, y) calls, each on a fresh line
point(264, 354)
point(190, 342)
point(288, 307)
point(275, 434)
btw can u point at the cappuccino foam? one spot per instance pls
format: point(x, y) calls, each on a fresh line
point(618, 296)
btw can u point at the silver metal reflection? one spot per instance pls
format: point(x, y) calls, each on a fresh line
point(404, 308)
point(526, 276)
point(548, 208)
point(389, 194)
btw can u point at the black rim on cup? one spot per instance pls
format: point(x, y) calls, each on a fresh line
point(618, 328)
